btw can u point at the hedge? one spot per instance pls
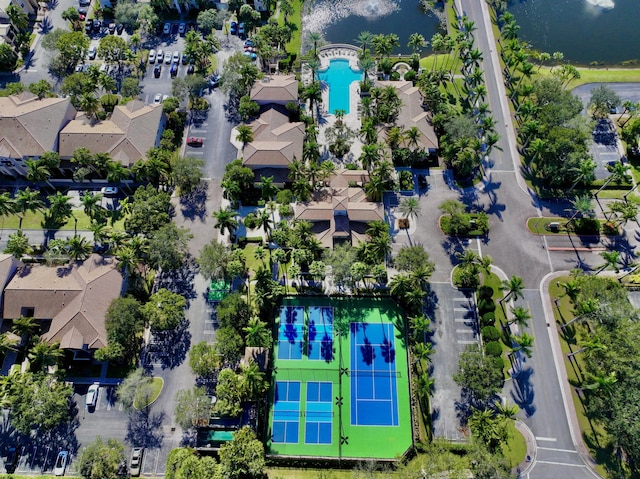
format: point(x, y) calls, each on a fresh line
point(486, 306)
point(490, 333)
point(488, 319)
point(485, 292)
point(493, 348)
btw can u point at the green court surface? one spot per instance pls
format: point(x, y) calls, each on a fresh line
point(340, 386)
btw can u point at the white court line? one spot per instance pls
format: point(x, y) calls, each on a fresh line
point(560, 464)
point(550, 439)
point(556, 449)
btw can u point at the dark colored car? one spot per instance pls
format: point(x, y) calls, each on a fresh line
point(97, 26)
point(184, 58)
point(82, 12)
point(157, 70)
point(88, 27)
point(214, 80)
point(120, 28)
point(190, 69)
point(13, 456)
point(234, 28)
point(174, 69)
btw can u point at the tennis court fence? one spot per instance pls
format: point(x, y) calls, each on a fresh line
point(374, 373)
point(317, 374)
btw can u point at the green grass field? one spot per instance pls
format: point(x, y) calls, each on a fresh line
point(362, 441)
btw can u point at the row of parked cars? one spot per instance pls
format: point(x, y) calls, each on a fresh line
point(92, 26)
point(167, 57)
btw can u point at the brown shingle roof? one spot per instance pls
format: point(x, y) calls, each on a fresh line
point(127, 136)
point(29, 127)
point(75, 298)
point(275, 89)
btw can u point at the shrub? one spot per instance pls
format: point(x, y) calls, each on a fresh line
point(486, 306)
point(284, 197)
point(394, 76)
point(488, 319)
point(485, 292)
point(410, 75)
point(251, 221)
point(285, 210)
point(490, 333)
point(497, 362)
point(351, 166)
point(493, 348)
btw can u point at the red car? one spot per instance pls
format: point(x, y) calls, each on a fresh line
point(194, 141)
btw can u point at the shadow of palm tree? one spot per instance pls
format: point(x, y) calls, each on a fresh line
point(523, 393)
point(46, 25)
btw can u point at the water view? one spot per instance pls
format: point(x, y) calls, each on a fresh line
point(340, 21)
point(584, 30)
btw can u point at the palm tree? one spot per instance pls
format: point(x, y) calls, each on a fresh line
point(37, 171)
point(6, 344)
point(25, 326)
point(400, 285)
point(521, 316)
point(419, 326)
point(364, 40)
point(522, 343)
point(589, 347)
point(410, 208)
point(90, 105)
point(612, 260)
point(92, 204)
point(253, 381)
point(79, 247)
point(416, 42)
point(226, 220)
point(370, 156)
point(584, 309)
point(18, 245)
point(602, 382)
point(582, 206)
point(257, 333)
point(423, 352)
point(412, 135)
point(42, 355)
point(245, 135)
point(514, 287)
point(27, 200)
point(313, 93)
point(506, 410)
point(467, 258)
point(316, 39)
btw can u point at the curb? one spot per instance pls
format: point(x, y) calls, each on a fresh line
point(532, 449)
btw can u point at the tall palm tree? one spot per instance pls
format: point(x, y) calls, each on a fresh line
point(79, 247)
point(257, 333)
point(420, 324)
point(410, 208)
point(364, 39)
point(92, 205)
point(316, 40)
point(27, 200)
point(18, 245)
point(422, 352)
point(37, 171)
point(25, 326)
point(583, 208)
point(6, 344)
point(612, 260)
point(253, 381)
point(245, 135)
point(522, 343)
point(589, 347)
point(416, 42)
point(521, 316)
point(602, 382)
point(514, 287)
point(42, 355)
point(412, 136)
point(226, 220)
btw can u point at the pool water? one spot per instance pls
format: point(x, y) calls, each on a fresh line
point(338, 77)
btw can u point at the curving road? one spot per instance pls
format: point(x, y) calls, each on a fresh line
point(538, 389)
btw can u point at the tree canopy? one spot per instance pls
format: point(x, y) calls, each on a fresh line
point(243, 457)
point(101, 460)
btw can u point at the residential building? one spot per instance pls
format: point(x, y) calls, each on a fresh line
point(28, 7)
point(127, 136)
point(341, 211)
point(413, 113)
point(277, 142)
point(29, 127)
point(275, 89)
point(70, 301)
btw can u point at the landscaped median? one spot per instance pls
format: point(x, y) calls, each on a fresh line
point(564, 226)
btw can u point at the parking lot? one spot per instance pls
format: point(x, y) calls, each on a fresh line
point(605, 147)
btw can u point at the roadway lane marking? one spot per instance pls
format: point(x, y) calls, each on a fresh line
point(556, 449)
point(462, 341)
point(462, 309)
point(550, 439)
point(559, 463)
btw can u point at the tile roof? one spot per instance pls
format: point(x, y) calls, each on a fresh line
point(29, 127)
point(275, 89)
point(74, 297)
point(127, 136)
point(276, 141)
point(412, 112)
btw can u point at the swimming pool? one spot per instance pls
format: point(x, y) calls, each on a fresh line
point(338, 76)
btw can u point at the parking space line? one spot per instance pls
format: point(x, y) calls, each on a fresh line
point(465, 331)
point(464, 341)
point(463, 320)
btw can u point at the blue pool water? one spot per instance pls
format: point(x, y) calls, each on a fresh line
point(338, 77)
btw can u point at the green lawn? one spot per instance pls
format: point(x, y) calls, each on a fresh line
point(156, 385)
point(276, 473)
point(540, 226)
point(33, 221)
point(593, 433)
point(515, 450)
point(295, 20)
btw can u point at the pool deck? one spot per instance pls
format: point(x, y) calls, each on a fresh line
point(352, 119)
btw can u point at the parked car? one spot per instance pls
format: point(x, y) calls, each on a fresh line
point(234, 28)
point(160, 56)
point(136, 461)
point(82, 12)
point(195, 141)
point(92, 395)
point(61, 463)
point(97, 26)
point(112, 28)
point(190, 69)
point(214, 80)
point(79, 67)
point(92, 52)
point(241, 28)
point(113, 190)
point(174, 70)
point(184, 58)
point(157, 70)
point(176, 57)
point(152, 56)
point(84, 3)
point(182, 28)
point(166, 30)
point(167, 58)
point(88, 27)
point(120, 28)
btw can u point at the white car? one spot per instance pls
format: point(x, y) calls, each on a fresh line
point(92, 395)
point(92, 52)
point(160, 56)
point(136, 461)
point(167, 58)
point(152, 56)
point(112, 190)
point(157, 98)
point(176, 57)
point(61, 463)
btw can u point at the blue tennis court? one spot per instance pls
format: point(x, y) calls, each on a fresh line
point(286, 412)
point(291, 332)
point(320, 333)
point(319, 414)
point(374, 392)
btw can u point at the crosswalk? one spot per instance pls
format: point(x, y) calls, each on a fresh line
point(464, 312)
